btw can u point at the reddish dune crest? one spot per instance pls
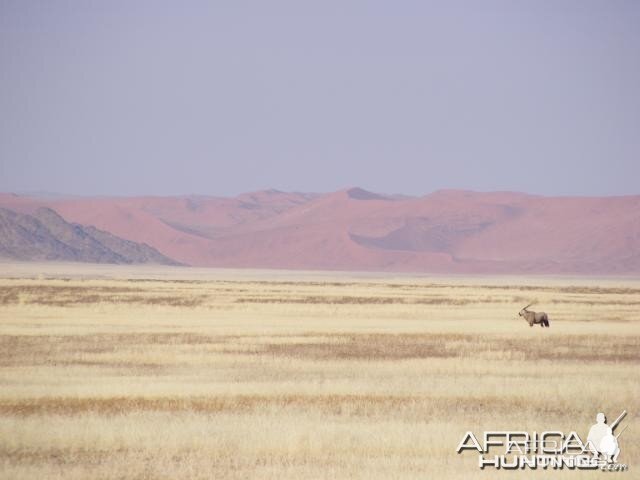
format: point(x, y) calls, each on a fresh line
point(449, 231)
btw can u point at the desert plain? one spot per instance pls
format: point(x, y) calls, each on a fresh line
point(178, 373)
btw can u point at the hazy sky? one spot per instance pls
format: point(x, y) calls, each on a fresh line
point(136, 97)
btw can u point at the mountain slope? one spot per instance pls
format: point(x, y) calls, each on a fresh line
point(447, 231)
point(45, 235)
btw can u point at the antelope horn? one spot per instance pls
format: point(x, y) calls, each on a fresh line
point(527, 306)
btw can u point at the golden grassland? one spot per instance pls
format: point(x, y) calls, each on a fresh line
point(112, 372)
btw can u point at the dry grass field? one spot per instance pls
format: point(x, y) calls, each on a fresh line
point(116, 372)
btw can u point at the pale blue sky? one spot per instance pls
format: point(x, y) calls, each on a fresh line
point(136, 97)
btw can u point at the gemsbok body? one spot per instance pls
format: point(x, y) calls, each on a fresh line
point(534, 318)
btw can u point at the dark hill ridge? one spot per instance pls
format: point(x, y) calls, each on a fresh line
point(362, 194)
point(45, 235)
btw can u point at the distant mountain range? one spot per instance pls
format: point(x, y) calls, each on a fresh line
point(447, 231)
point(45, 235)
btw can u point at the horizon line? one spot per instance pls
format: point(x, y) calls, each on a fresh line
point(395, 195)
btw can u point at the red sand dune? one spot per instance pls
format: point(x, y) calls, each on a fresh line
point(446, 231)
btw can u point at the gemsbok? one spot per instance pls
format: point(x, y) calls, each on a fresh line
point(534, 318)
